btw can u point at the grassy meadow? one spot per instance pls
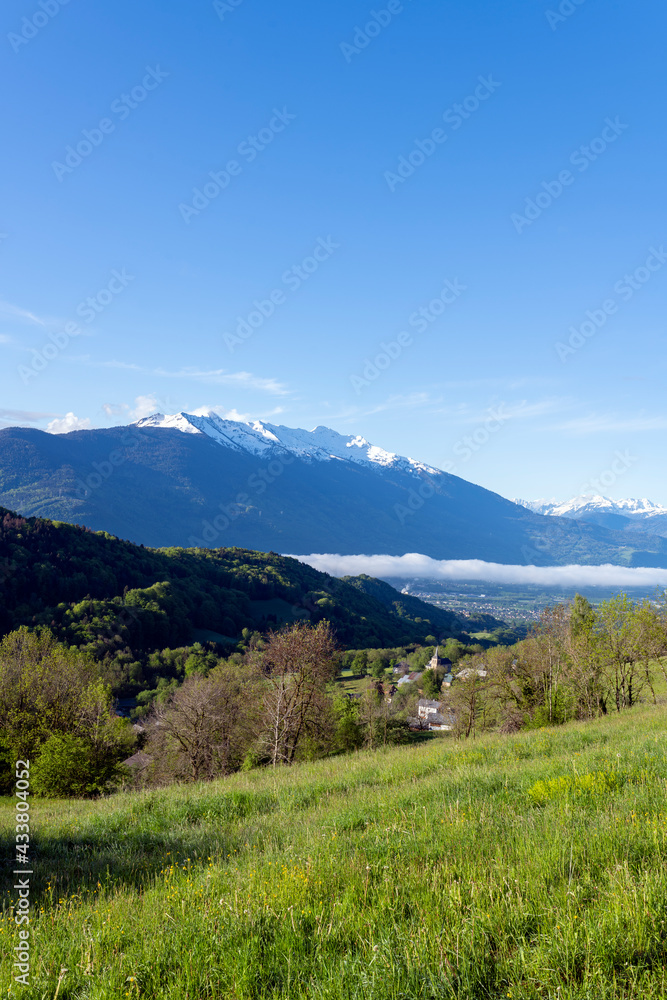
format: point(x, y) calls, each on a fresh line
point(526, 866)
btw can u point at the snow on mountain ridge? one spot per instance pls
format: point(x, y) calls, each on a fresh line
point(258, 438)
point(587, 504)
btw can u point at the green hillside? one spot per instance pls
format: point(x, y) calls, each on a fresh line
point(532, 866)
point(123, 601)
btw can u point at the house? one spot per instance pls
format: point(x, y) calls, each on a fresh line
point(431, 715)
point(414, 677)
point(463, 675)
point(426, 708)
point(138, 761)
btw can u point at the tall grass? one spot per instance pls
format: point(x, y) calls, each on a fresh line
point(514, 867)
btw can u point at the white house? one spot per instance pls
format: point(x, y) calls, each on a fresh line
point(430, 714)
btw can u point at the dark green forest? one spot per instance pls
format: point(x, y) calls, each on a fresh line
point(125, 604)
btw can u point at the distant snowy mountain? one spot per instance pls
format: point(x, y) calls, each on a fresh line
point(258, 438)
point(582, 505)
point(629, 515)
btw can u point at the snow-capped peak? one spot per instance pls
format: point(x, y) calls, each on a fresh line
point(258, 438)
point(589, 504)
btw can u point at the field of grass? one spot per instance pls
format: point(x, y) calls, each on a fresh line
point(350, 683)
point(531, 866)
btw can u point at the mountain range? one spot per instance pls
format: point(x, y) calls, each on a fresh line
point(622, 515)
point(204, 481)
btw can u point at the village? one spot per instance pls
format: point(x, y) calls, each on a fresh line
point(433, 714)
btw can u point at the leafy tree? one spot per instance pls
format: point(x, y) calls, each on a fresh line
point(582, 617)
point(649, 641)
point(200, 661)
point(453, 650)
point(349, 734)
point(616, 639)
point(69, 766)
point(584, 673)
point(431, 683)
point(47, 690)
point(360, 662)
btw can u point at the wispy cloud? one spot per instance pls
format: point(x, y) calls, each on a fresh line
point(85, 359)
point(602, 424)
point(520, 409)
point(409, 401)
point(220, 376)
point(416, 566)
point(215, 376)
point(9, 311)
point(24, 416)
point(504, 384)
point(459, 414)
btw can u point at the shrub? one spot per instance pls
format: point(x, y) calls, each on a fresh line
point(67, 766)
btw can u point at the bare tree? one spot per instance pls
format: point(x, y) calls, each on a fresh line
point(205, 728)
point(298, 663)
point(468, 699)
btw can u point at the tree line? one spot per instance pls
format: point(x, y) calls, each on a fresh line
point(274, 702)
point(273, 705)
point(124, 602)
point(579, 662)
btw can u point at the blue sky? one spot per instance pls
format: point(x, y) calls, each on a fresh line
point(528, 225)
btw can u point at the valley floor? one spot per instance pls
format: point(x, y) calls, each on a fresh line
point(520, 867)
